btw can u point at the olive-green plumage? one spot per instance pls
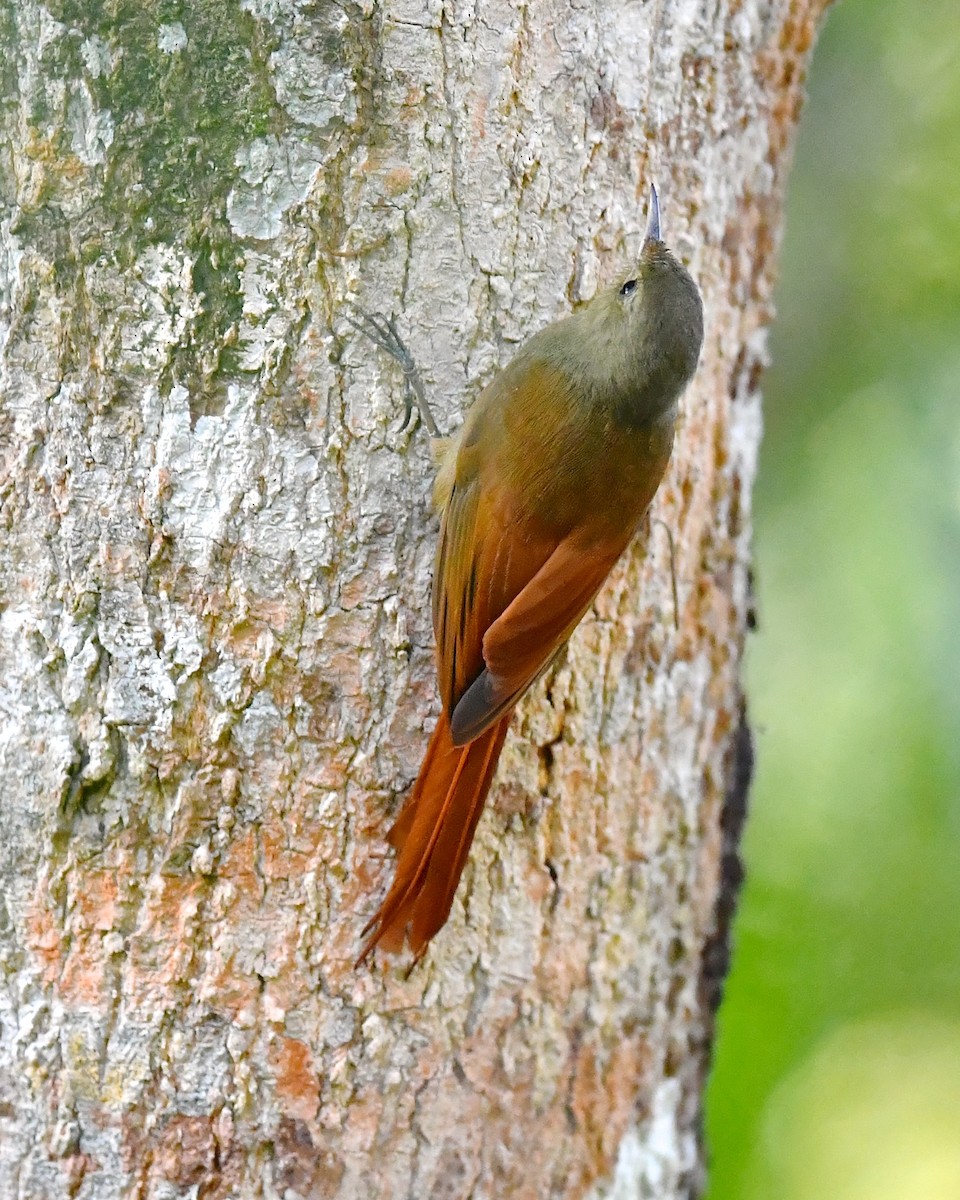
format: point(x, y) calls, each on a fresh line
point(539, 493)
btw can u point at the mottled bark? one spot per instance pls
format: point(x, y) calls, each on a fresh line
point(215, 650)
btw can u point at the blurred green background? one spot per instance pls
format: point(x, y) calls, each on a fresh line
point(837, 1073)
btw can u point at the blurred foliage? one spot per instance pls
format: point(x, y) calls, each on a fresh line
point(837, 1074)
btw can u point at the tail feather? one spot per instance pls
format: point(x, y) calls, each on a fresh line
point(432, 837)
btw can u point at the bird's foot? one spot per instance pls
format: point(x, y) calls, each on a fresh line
point(382, 332)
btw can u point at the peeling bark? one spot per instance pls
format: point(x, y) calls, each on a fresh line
point(216, 667)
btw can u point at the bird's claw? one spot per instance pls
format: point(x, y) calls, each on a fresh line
point(382, 331)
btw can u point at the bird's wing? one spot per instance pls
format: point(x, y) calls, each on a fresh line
point(485, 557)
point(526, 636)
point(509, 585)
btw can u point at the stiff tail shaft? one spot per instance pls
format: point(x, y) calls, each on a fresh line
point(432, 837)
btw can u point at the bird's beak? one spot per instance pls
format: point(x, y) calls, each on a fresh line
point(653, 219)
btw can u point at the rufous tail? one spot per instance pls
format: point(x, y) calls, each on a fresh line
point(432, 838)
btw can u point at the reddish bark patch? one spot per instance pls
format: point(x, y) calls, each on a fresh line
point(296, 1078)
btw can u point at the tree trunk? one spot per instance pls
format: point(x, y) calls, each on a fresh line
point(216, 675)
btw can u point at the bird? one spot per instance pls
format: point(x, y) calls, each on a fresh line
point(539, 493)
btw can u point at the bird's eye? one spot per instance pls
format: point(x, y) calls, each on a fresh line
point(629, 287)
